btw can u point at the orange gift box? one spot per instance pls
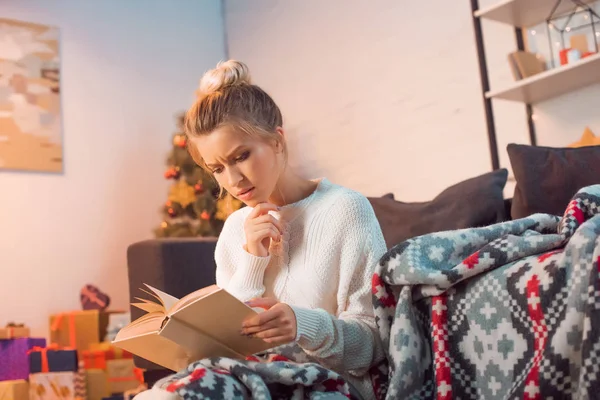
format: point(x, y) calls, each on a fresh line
point(79, 329)
point(123, 375)
point(11, 332)
point(99, 353)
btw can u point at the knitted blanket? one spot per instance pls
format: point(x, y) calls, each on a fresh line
point(272, 377)
point(506, 311)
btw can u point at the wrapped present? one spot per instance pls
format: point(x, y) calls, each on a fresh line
point(122, 375)
point(52, 359)
point(14, 361)
point(97, 384)
point(78, 329)
point(99, 353)
point(14, 331)
point(14, 390)
point(116, 322)
point(56, 385)
point(93, 298)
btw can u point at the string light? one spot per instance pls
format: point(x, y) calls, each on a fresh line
point(568, 29)
point(533, 32)
point(534, 117)
point(598, 34)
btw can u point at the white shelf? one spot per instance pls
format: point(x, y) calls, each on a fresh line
point(524, 13)
point(552, 83)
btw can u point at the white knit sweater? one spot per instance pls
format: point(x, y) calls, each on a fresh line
point(322, 267)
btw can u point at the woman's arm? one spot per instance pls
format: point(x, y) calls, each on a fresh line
point(238, 272)
point(350, 341)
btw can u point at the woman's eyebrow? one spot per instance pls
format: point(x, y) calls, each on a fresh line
point(229, 156)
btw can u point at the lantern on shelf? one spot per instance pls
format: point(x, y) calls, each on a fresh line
point(573, 35)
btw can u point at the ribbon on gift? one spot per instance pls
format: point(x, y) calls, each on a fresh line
point(138, 375)
point(44, 353)
point(85, 291)
point(72, 332)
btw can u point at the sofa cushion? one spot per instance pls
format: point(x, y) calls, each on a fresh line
point(547, 177)
point(478, 201)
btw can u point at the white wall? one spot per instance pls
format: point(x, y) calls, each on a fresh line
point(127, 68)
point(385, 96)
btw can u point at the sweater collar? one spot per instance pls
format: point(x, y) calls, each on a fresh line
point(291, 211)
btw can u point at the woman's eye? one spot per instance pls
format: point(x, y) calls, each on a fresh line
point(217, 171)
point(243, 156)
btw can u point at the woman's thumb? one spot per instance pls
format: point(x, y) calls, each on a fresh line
point(261, 302)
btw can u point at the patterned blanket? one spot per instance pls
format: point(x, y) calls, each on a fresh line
point(272, 377)
point(506, 311)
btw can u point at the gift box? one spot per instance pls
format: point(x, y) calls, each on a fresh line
point(99, 353)
point(122, 375)
point(96, 384)
point(52, 359)
point(14, 390)
point(14, 361)
point(57, 386)
point(92, 298)
point(78, 329)
point(14, 332)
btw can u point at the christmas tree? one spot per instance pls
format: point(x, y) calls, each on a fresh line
point(193, 207)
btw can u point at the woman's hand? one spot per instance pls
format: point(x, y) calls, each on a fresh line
point(276, 325)
point(260, 228)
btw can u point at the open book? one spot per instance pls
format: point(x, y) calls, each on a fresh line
point(174, 333)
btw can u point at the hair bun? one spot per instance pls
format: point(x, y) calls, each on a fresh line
point(228, 73)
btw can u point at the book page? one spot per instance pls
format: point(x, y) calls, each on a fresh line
point(149, 306)
point(166, 299)
point(198, 294)
point(150, 322)
point(220, 316)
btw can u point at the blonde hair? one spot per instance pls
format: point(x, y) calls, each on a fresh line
point(227, 98)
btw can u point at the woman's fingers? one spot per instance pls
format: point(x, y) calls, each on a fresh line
point(261, 209)
point(260, 328)
point(269, 219)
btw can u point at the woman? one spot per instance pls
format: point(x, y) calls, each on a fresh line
point(304, 250)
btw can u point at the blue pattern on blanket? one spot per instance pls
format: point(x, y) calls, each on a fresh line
point(505, 311)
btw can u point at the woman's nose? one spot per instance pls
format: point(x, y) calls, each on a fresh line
point(234, 177)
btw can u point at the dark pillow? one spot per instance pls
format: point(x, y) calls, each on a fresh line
point(475, 202)
point(547, 177)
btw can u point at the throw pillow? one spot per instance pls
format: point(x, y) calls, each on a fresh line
point(547, 177)
point(472, 203)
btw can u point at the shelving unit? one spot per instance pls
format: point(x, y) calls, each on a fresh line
point(522, 14)
point(552, 83)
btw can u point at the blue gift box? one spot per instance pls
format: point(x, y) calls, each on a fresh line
point(14, 362)
point(59, 360)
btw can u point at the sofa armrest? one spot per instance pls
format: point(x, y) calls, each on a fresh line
point(177, 266)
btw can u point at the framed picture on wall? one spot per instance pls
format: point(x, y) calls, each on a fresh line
point(30, 109)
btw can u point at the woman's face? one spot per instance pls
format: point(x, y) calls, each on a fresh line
point(246, 167)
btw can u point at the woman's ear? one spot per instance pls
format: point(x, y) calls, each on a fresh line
point(279, 142)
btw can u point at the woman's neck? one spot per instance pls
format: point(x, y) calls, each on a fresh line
point(291, 188)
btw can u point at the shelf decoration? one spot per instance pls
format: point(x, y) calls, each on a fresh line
point(573, 35)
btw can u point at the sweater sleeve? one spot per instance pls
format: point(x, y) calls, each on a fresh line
point(349, 341)
point(238, 272)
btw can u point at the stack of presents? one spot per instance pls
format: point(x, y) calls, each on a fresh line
point(77, 363)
